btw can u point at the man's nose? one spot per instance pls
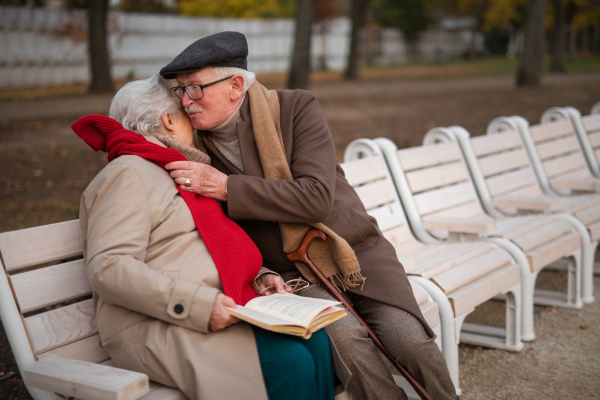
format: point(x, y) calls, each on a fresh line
point(185, 99)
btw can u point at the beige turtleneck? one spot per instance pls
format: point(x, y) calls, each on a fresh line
point(225, 138)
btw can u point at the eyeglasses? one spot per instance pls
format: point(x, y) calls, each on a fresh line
point(195, 91)
point(291, 286)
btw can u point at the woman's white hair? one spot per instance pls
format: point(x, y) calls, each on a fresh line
point(139, 105)
point(224, 72)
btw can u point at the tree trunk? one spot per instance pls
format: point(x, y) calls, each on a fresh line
point(99, 60)
point(300, 68)
point(557, 63)
point(359, 11)
point(530, 67)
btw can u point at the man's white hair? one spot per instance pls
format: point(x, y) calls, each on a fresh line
point(224, 72)
point(139, 105)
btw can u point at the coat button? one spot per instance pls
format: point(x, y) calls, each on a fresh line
point(178, 308)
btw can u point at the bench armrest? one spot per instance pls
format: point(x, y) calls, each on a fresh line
point(85, 380)
point(526, 203)
point(477, 224)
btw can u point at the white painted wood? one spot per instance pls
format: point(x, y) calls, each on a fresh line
point(51, 285)
point(61, 326)
point(27, 247)
point(85, 380)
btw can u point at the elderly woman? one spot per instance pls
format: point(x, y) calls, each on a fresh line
point(164, 264)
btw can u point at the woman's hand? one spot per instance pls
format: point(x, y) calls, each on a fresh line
point(219, 316)
point(271, 281)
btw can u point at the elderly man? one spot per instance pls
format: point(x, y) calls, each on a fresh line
point(274, 169)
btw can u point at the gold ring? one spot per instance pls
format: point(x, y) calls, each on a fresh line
point(188, 183)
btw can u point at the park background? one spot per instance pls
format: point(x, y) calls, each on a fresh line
point(416, 65)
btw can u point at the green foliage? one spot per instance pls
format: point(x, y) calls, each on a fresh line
point(410, 16)
point(238, 8)
point(148, 6)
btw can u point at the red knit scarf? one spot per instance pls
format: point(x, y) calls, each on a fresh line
point(235, 255)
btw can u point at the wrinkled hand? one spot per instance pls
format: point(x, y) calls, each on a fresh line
point(219, 316)
point(205, 180)
point(269, 280)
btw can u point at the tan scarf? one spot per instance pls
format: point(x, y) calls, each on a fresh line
point(335, 258)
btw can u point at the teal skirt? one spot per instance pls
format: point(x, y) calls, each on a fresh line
point(295, 368)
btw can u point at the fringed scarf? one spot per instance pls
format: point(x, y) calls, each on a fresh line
point(235, 255)
point(335, 258)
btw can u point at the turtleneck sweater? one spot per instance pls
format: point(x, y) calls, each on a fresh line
point(225, 138)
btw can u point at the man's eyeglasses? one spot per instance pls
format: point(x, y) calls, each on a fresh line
point(291, 286)
point(195, 91)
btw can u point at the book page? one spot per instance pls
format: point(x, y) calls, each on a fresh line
point(259, 316)
point(291, 307)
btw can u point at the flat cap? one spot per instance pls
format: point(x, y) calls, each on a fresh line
point(224, 49)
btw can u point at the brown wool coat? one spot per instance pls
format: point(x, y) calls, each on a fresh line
point(318, 193)
point(144, 256)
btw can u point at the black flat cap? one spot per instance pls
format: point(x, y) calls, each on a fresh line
point(224, 49)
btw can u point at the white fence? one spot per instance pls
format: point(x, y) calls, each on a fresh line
point(42, 47)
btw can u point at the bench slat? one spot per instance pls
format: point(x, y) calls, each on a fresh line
point(365, 170)
point(376, 193)
point(470, 296)
point(447, 198)
point(511, 181)
point(51, 285)
point(472, 270)
point(34, 246)
point(484, 145)
point(503, 162)
point(551, 130)
point(61, 326)
point(443, 175)
point(427, 156)
point(88, 349)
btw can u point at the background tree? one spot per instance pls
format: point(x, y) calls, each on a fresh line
point(411, 17)
point(557, 58)
point(358, 15)
point(300, 65)
point(237, 8)
point(99, 58)
point(530, 66)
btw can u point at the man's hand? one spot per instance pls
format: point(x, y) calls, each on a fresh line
point(204, 179)
point(219, 316)
point(273, 283)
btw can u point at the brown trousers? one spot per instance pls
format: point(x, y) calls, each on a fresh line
point(402, 335)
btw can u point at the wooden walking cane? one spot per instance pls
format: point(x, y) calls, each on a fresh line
point(301, 254)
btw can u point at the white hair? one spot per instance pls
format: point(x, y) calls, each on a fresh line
point(224, 72)
point(139, 105)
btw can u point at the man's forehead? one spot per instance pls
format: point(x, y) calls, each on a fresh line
point(201, 76)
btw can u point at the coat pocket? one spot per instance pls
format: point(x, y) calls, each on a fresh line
point(361, 233)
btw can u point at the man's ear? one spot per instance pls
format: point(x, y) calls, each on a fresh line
point(237, 87)
point(167, 122)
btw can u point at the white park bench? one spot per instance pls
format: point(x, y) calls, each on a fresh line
point(555, 154)
point(46, 310)
point(441, 203)
point(506, 184)
point(458, 276)
point(587, 129)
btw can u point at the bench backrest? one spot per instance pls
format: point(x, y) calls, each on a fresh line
point(438, 183)
point(559, 151)
point(46, 273)
point(371, 179)
point(504, 163)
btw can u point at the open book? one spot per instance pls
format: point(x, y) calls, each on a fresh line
point(289, 313)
